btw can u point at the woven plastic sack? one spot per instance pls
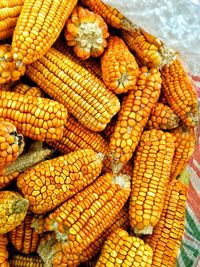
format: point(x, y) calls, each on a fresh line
point(177, 23)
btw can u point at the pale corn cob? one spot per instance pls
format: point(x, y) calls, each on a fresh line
point(35, 117)
point(23, 237)
point(4, 251)
point(11, 144)
point(65, 81)
point(151, 173)
point(82, 219)
point(13, 208)
point(167, 234)
point(9, 13)
point(184, 147)
point(118, 66)
point(120, 249)
point(179, 92)
point(53, 181)
point(133, 116)
point(38, 27)
point(86, 32)
point(26, 261)
point(25, 89)
point(162, 117)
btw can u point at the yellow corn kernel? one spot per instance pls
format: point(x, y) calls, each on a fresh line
point(3, 251)
point(26, 261)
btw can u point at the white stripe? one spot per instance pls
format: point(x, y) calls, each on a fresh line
point(194, 179)
point(180, 260)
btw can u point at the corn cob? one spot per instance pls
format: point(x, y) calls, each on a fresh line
point(184, 147)
point(82, 219)
point(13, 208)
point(166, 238)
point(9, 13)
point(150, 50)
point(23, 162)
point(179, 92)
point(10, 70)
point(3, 251)
point(133, 116)
point(86, 32)
point(11, 144)
point(111, 15)
point(38, 27)
point(90, 64)
point(35, 117)
point(162, 117)
point(120, 249)
point(65, 81)
point(25, 89)
point(51, 182)
point(151, 173)
point(118, 65)
point(26, 261)
point(76, 136)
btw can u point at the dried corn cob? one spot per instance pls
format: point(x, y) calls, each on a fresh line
point(179, 92)
point(26, 261)
point(162, 117)
point(82, 219)
point(13, 208)
point(90, 64)
point(11, 144)
point(23, 162)
point(9, 13)
point(35, 117)
point(38, 26)
point(184, 147)
point(111, 15)
point(76, 136)
point(133, 116)
point(3, 251)
point(10, 70)
point(25, 89)
point(166, 238)
point(151, 173)
point(86, 32)
point(51, 182)
point(150, 50)
point(23, 237)
point(118, 65)
point(65, 81)
point(120, 249)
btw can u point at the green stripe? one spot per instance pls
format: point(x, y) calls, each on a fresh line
point(188, 262)
point(194, 231)
point(194, 250)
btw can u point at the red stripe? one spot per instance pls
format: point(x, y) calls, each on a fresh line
point(197, 171)
point(195, 78)
point(193, 201)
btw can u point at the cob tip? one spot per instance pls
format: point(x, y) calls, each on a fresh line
point(123, 180)
point(147, 230)
point(20, 205)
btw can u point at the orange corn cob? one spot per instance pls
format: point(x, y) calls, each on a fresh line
point(150, 50)
point(133, 116)
point(76, 136)
point(179, 92)
point(184, 148)
point(13, 208)
point(3, 251)
point(87, 100)
point(82, 219)
point(11, 144)
point(90, 64)
point(120, 249)
point(86, 32)
point(162, 117)
point(167, 235)
point(118, 65)
point(53, 181)
point(35, 117)
point(25, 89)
point(23, 237)
point(38, 27)
point(9, 13)
point(111, 15)
point(151, 173)
point(26, 261)
point(10, 70)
